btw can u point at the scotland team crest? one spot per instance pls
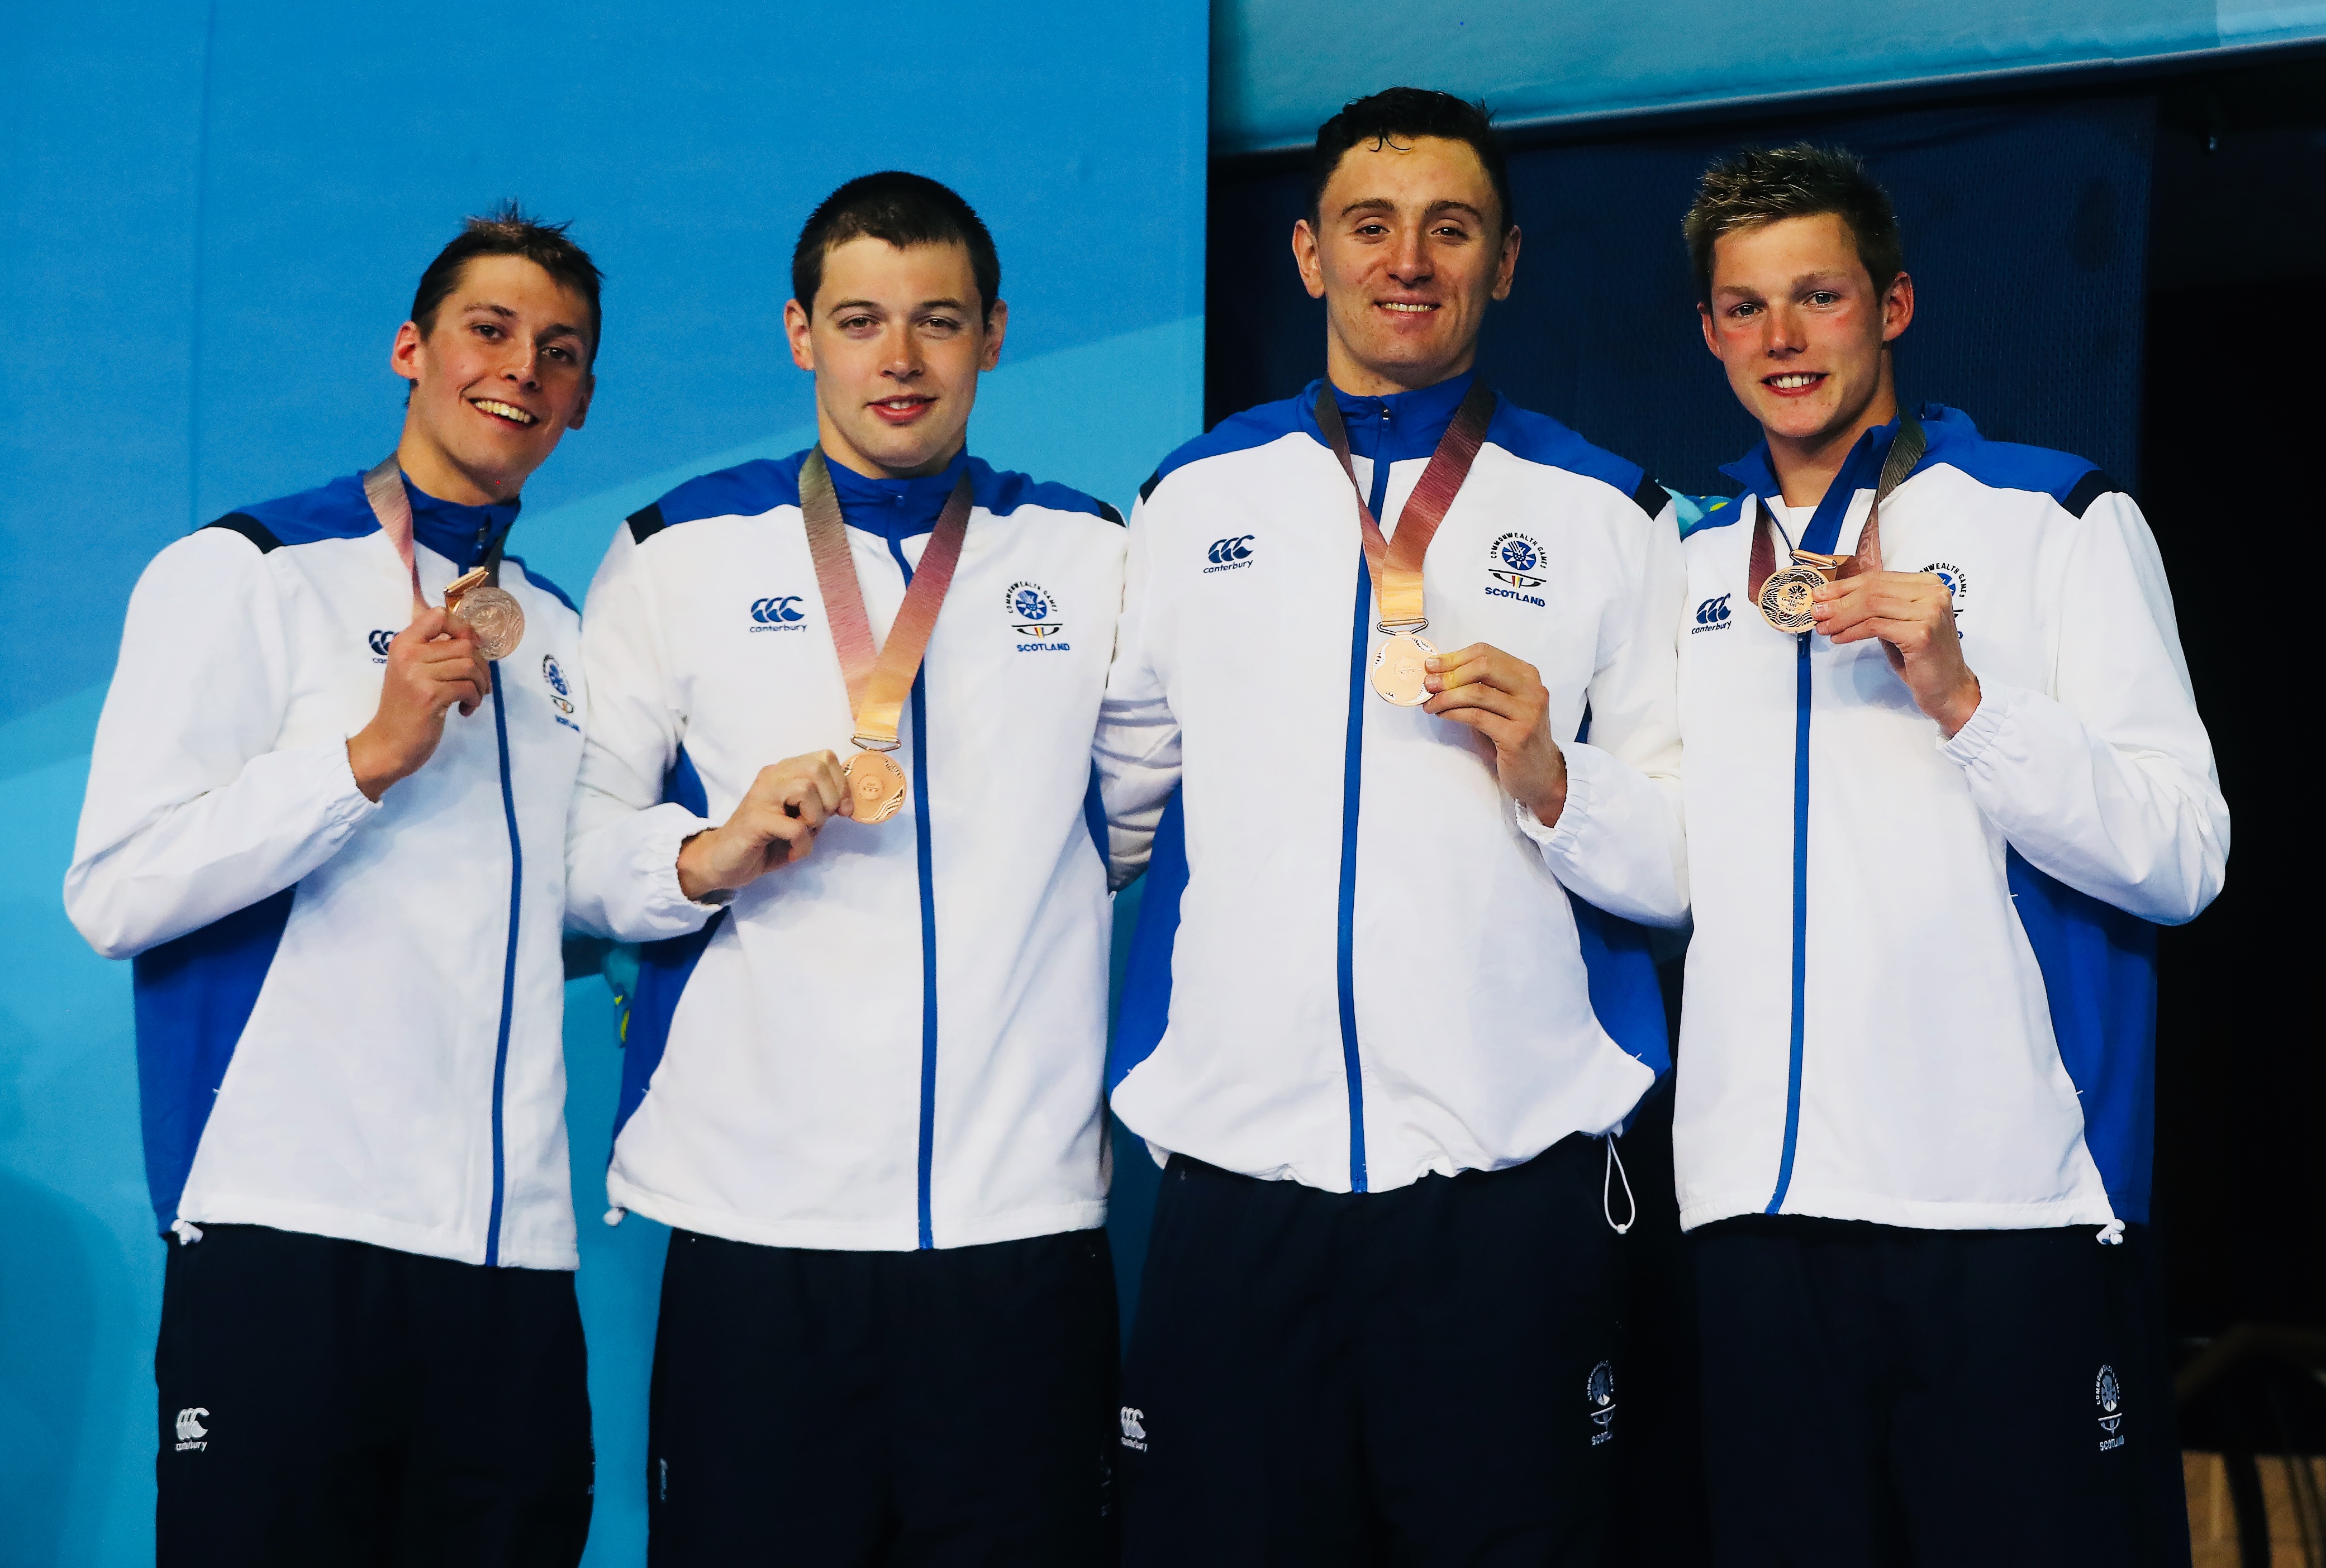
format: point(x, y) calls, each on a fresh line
point(1517, 560)
point(1033, 611)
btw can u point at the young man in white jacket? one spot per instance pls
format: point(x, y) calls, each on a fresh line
point(1364, 632)
point(1944, 771)
point(334, 850)
point(864, 1058)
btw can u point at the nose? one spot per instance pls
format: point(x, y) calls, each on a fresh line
point(523, 368)
point(1784, 334)
point(904, 360)
point(1410, 261)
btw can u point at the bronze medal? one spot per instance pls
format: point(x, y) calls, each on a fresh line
point(493, 617)
point(876, 784)
point(1400, 670)
point(1788, 601)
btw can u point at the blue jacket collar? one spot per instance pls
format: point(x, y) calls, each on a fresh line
point(1947, 428)
point(460, 534)
point(1404, 424)
point(894, 508)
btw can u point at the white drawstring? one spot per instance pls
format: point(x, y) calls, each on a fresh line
point(2111, 1234)
point(614, 1215)
point(186, 1232)
point(1614, 1168)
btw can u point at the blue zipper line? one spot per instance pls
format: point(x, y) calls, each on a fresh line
point(1823, 532)
point(928, 926)
point(1801, 918)
point(1352, 774)
point(508, 969)
point(1352, 780)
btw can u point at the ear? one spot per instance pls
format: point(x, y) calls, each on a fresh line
point(1305, 257)
point(1897, 307)
point(997, 326)
point(581, 403)
point(1507, 265)
point(796, 324)
point(404, 355)
point(1704, 318)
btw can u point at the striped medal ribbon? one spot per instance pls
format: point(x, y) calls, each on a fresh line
point(879, 681)
point(1400, 671)
point(475, 600)
point(1786, 598)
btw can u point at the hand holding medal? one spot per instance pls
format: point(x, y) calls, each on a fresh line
point(475, 604)
point(1503, 699)
point(1401, 665)
point(878, 683)
point(775, 824)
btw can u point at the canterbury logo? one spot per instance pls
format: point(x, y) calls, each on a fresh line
point(1134, 1428)
point(771, 611)
point(1712, 611)
point(1223, 550)
point(190, 1430)
point(378, 642)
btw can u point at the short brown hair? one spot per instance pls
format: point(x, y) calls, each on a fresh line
point(1764, 184)
point(507, 231)
point(904, 210)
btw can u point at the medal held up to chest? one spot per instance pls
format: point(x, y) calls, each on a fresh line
point(475, 600)
point(1786, 596)
point(879, 681)
point(1401, 670)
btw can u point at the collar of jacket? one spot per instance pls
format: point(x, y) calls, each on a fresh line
point(1945, 428)
point(895, 509)
point(460, 534)
point(1402, 425)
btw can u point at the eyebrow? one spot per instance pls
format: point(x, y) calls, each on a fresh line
point(1383, 204)
point(555, 329)
point(942, 304)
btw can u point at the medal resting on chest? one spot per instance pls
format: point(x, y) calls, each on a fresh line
point(1401, 668)
point(879, 681)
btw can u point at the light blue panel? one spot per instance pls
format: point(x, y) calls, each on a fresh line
point(1281, 67)
point(211, 219)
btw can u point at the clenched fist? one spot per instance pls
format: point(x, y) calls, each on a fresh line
point(775, 825)
point(432, 666)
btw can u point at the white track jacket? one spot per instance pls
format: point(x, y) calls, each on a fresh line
point(1359, 962)
point(1921, 990)
point(898, 1043)
point(349, 1014)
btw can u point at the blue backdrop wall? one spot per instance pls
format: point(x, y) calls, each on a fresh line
point(211, 219)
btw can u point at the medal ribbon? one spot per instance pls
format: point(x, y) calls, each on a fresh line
point(878, 683)
point(1396, 564)
point(383, 488)
point(1906, 449)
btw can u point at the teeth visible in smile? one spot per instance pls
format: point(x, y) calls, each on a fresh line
point(1399, 305)
point(1792, 381)
point(506, 410)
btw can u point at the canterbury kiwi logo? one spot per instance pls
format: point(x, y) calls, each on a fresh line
point(775, 610)
point(1712, 611)
point(377, 642)
point(1223, 550)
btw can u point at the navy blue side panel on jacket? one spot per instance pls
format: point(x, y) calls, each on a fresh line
point(1145, 1008)
point(2087, 490)
point(193, 996)
point(1621, 972)
point(663, 968)
point(1254, 427)
point(745, 490)
point(1352, 803)
point(508, 971)
point(2100, 978)
point(646, 523)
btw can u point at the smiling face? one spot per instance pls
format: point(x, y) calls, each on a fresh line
point(1407, 250)
point(1802, 330)
point(897, 339)
point(499, 375)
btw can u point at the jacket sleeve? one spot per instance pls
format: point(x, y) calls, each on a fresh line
point(191, 811)
point(2107, 780)
point(1137, 749)
point(621, 849)
point(1619, 843)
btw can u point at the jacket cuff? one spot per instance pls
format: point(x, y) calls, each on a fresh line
point(655, 863)
point(1996, 705)
point(1561, 838)
point(344, 803)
